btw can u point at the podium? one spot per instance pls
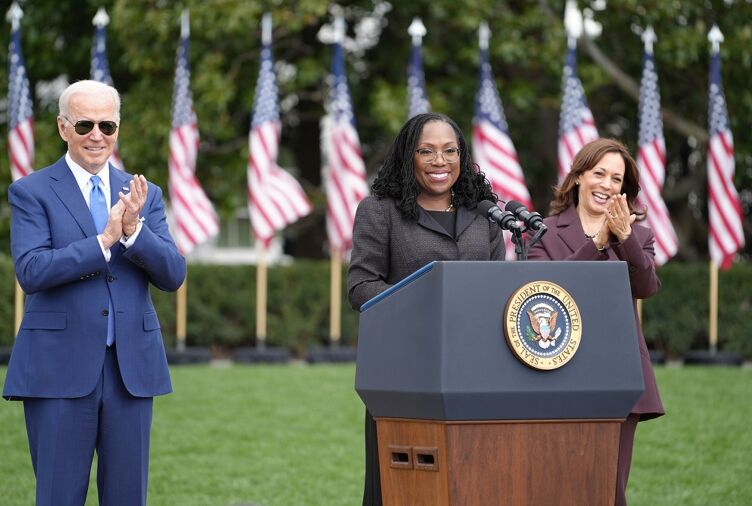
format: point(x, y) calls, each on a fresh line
point(463, 421)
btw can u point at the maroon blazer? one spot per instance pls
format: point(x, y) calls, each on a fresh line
point(566, 240)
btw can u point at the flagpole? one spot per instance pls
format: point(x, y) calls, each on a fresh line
point(713, 319)
point(639, 311)
point(335, 277)
point(727, 238)
point(573, 23)
point(335, 308)
point(261, 281)
point(19, 307)
point(261, 298)
point(181, 315)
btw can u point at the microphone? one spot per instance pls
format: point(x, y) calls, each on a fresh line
point(505, 219)
point(532, 220)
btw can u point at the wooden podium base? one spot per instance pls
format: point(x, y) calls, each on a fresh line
point(482, 463)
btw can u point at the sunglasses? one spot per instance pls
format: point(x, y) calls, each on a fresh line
point(84, 126)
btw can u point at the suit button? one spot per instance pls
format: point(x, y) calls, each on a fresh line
point(110, 278)
point(105, 312)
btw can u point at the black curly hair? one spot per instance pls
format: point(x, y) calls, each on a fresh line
point(396, 177)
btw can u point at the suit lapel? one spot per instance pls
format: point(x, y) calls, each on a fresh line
point(425, 220)
point(464, 218)
point(118, 181)
point(570, 229)
point(65, 186)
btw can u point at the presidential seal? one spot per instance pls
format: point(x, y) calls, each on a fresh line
point(542, 325)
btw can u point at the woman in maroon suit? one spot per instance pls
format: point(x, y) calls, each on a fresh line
point(593, 217)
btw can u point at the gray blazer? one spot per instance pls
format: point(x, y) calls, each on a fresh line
point(387, 247)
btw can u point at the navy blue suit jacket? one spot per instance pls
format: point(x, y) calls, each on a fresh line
point(60, 347)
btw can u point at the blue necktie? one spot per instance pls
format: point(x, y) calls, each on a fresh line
point(100, 213)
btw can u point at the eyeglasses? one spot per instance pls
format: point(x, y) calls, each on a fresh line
point(427, 155)
point(84, 126)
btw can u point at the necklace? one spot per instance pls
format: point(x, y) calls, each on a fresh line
point(584, 229)
point(592, 236)
point(451, 201)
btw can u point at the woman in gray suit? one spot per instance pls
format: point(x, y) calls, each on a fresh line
point(593, 217)
point(422, 210)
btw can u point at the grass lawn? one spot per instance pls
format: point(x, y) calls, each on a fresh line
point(292, 435)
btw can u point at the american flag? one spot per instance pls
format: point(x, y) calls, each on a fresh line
point(275, 198)
point(417, 101)
point(344, 170)
point(576, 124)
point(100, 69)
point(493, 149)
point(724, 206)
point(651, 160)
point(21, 116)
point(195, 218)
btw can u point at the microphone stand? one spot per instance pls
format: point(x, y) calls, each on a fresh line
point(520, 248)
point(537, 237)
point(519, 243)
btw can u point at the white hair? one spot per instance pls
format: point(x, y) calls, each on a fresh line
point(90, 87)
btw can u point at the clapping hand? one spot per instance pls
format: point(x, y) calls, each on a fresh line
point(618, 217)
point(113, 230)
point(133, 201)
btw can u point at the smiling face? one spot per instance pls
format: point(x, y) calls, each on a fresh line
point(600, 183)
point(436, 178)
point(92, 150)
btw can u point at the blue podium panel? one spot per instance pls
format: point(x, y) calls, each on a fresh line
point(434, 348)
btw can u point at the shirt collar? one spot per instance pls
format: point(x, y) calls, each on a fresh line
point(83, 177)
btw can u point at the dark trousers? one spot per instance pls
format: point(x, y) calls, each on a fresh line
point(64, 433)
point(372, 486)
point(626, 443)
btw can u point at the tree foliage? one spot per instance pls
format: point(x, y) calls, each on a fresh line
point(527, 53)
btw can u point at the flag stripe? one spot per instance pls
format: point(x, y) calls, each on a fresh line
point(196, 220)
point(651, 161)
point(493, 149)
point(344, 171)
point(576, 123)
point(726, 234)
point(20, 112)
point(275, 198)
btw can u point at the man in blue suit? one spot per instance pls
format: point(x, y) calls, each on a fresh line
point(87, 240)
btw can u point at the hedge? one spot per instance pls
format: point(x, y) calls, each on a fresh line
point(676, 319)
point(221, 308)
